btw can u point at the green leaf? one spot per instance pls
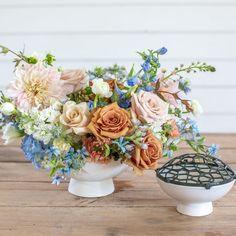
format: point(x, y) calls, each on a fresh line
point(107, 150)
point(53, 171)
point(96, 101)
point(131, 91)
point(131, 71)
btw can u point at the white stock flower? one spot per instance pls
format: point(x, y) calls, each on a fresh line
point(102, 88)
point(7, 108)
point(10, 134)
point(197, 108)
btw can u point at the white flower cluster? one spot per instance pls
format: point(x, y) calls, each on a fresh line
point(41, 124)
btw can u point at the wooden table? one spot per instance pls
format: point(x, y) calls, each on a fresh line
point(30, 205)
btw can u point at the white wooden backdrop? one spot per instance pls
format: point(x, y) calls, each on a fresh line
point(100, 32)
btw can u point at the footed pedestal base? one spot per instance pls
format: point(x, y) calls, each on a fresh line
point(91, 188)
point(195, 209)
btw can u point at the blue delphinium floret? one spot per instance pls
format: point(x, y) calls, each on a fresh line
point(184, 85)
point(123, 102)
point(83, 152)
point(53, 152)
point(56, 179)
point(74, 160)
point(90, 105)
point(146, 65)
point(162, 51)
point(148, 88)
point(121, 143)
point(34, 150)
point(131, 81)
point(212, 150)
point(188, 129)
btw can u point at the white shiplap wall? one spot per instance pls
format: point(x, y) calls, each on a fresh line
point(102, 32)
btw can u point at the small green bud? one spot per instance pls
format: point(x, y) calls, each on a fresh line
point(4, 50)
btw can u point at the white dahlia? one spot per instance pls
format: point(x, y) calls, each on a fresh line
point(35, 86)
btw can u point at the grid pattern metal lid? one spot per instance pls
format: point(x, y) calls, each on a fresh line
point(196, 170)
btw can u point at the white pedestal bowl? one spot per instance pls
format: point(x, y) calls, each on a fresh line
point(195, 201)
point(95, 179)
point(195, 181)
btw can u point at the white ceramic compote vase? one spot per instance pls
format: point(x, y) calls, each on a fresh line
point(96, 179)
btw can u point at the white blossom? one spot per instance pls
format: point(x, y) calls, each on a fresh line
point(102, 88)
point(7, 108)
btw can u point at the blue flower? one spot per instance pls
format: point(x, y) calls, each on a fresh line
point(121, 143)
point(131, 81)
point(34, 150)
point(123, 102)
point(154, 79)
point(90, 105)
point(146, 65)
point(193, 125)
point(144, 77)
point(56, 180)
point(184, 85)
point(53, 152)
point(212, 150)
point(83, 152)
point(162, 51)
point(168, 153)
point(73, 160)
point(188, 129)
point(148, 88)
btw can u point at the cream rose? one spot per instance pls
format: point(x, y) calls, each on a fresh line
point(102, 88)
point(74, 80)
point(148, 106)
point(75, 117)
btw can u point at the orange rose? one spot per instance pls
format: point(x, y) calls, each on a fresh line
point(110, 122)
point(146, 159)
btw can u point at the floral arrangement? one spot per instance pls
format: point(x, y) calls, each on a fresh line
point(67, 118)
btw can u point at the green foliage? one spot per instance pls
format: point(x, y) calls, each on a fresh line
point(108, 73)
point(194, 67)
point(4, 50)
point(3, 98)
point(49, 59)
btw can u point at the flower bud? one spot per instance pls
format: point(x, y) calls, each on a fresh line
point(7, 108)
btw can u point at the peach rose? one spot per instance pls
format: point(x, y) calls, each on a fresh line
point(74, 80)
point(75, 117)
point(146, 159)
point(148, 106)
point(110, 122)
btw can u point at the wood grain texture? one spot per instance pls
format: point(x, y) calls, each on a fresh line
point(31, 205)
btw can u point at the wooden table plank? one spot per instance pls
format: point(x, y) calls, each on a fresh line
point(113, 221)
point(127, 194)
